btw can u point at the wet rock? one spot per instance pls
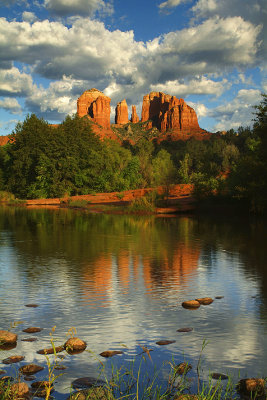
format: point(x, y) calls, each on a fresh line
point(205, 300)
point(19, 391)
point(216, 375)
point(94, 393)
point(60, 367)
point(13, 359)
point(183, 368)
point(29, 378)
point(30, 369)
point(191, 304)
point(75, 345)
point(31, 339)
point(219, 297)
point(7, 337)
point(39, 388)
point(32, 329)
point(165, 342)
point(2, 372)
point(32, 305)
point(8, 346)
point(251, 387)
point(86, 382)
point(110, 353)
point(51, 350)
point(185, 330)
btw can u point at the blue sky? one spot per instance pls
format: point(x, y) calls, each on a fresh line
point(212, 53)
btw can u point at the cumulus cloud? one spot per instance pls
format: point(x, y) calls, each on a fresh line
point(255, 12)
point(238, 112)
point(198, 85)
point(65, 8)
point(15, 83)
point(90, 55)
point(11, 105)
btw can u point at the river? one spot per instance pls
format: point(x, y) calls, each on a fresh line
point(118, 281)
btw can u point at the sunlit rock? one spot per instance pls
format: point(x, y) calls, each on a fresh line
point(205, 300)
point(191, 304)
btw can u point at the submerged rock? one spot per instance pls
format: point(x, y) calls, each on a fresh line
point(191, 304)
point(32, 329)
point(51, 350)
point(7, 337)
point(216, 375)
point(32, 305)
point(110, 353)
point(30, 369)
point(184, 330)
point(219, 297)
point(31, 339)
point(205, 300)
point(87, 382)
point(39, 388)
point(29, 378)
point(165, 342)
point(13, 359)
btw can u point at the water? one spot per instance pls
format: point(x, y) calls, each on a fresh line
point(120, 281)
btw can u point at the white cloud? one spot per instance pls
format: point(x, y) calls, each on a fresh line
point(238, 112)
point(78, 7)
point(200, 109)
point(254, 11)
point(11, 105)
point(198, 85)
point(28, 16)
point(15, 83)
point(171, 4)
point(90, 55)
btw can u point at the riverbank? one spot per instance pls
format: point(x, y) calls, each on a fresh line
point(176, 199)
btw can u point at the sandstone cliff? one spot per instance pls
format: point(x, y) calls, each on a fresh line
point(121, 113)
point(96, 105)
point(167, 113)
point(134, 117)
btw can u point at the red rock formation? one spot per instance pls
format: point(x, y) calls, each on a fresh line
point(134, 117)
point(96, 105)
point(121, 113)
point(168, 113)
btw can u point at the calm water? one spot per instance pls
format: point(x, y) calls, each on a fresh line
point(120, 281)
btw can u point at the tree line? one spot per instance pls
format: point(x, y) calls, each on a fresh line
point(43, 161)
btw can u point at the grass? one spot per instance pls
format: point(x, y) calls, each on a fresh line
point(9, 198)
point(78, 203)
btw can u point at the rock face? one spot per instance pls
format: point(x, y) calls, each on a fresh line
point(169, 113)
point(134, 117)
point(96, 105)
point(121, 113)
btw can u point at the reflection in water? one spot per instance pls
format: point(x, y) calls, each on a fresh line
point(120, 281)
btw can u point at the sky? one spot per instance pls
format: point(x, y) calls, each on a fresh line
point(212, 53)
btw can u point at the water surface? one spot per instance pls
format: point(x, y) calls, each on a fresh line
point(120, 281)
